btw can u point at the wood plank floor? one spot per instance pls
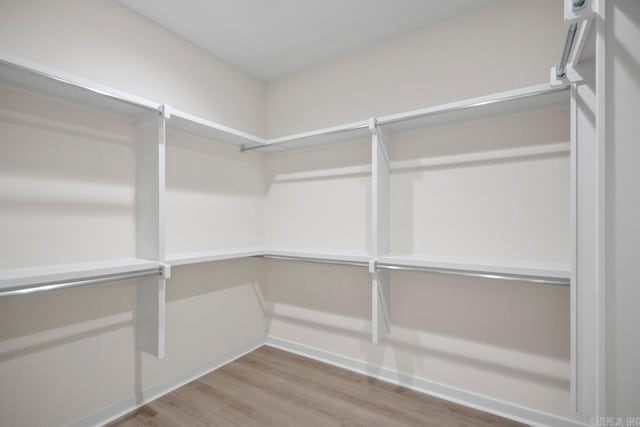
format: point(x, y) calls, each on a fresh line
point(270, 387)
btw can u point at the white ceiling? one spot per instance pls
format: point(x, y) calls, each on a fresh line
point(272, 38)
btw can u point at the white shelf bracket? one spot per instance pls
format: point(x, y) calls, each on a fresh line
point(380, 231)
point(165, 111)
point(380, 303)
point(150, 316)
point(373, 125)
point(165, 270)
point(579, 10)
point(554, 80)
point(582, 17)
point(150, 186)
point(571, 73)
point(372, 266)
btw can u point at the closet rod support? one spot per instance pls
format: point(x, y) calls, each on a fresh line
point(73, 284)
point(561, 70)
point(478, 274)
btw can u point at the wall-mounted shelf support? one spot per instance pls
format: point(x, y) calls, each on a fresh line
point(579, 16)
point(150, 189)
point(380, 231)
point(561, 69)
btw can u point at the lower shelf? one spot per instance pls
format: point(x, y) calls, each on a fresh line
point(185, 258)
point(552, 273)
point(22, 277)
point(336, 257)
point(555, 273)
point(515, 270)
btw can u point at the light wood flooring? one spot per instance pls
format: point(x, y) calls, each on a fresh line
point(270, 387)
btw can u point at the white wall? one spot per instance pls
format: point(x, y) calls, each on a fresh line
point(496, 208)
point(215, 195)
point(308, 209)
point(64, 168)
point(103, 41)
point(505, 340)
point(67, 194)
point(509, 341)
point(504, 46)
point(622, 207)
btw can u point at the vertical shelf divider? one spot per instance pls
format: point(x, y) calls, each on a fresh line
point(380, 233)
point(150, 189)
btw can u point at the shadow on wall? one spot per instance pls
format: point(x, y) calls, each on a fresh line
point(624, 53)
point(211, 311)
point(447, 197)
point(57, 345)
point(192, 280)
point(345, 158)
point(196, 164)
point(215, 195)
point(320, 198)
point(49, 138)
point(37, 322)
point(510, 329)
point(67, 182)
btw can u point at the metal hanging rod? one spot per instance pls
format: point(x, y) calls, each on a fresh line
point(478, 274)
point(76, 283)
point(548, 90)
point(561, 70)
point(315, 260)
point(435, 270)
point(288, 139)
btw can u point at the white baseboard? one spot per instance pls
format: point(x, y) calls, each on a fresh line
point(124, 407)
point(466, 398)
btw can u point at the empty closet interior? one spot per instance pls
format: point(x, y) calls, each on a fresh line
point(412, 218)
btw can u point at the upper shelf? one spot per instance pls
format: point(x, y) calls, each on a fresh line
point(185, 258)
point(27, 75)
point(46, 81)
point(510, 102)
point(346, 132)
point(215, 131)
point(22, 277)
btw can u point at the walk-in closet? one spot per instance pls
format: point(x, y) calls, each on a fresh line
point(285, 213)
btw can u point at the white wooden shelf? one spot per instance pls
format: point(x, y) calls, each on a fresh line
point(520, 100)
point(23, 74)
point(21, 277)
point(341, 133)
point(556, 272)
point(355, 257)
point(208, 256)
point(196, 125)
point(186, 258)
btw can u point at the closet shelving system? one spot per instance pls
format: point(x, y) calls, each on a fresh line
point(152, 266)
